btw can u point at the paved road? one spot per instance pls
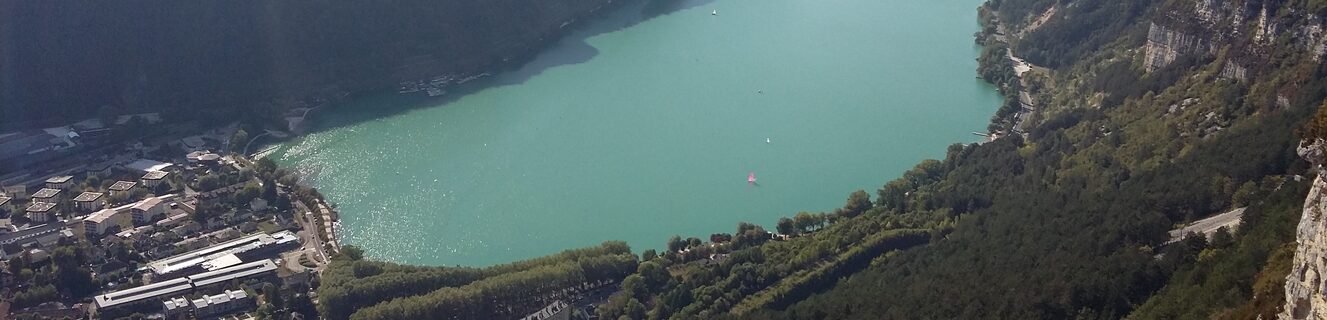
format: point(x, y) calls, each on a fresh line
point(309, 236)
point(1230, 219)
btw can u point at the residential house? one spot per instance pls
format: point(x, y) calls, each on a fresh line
point(6, 205)
point(148, 210)
point(212, 197)
point(258, 204)
point(60, 182)
point(17, 192)
point(97, 224)
point(137, 234)
point(122, 188)
point(176, 308)
point(153, 178)
point(145, 166)
point(101, 169)
point(111, 270)
point(175, 219)
point(193, 143)
point(90, 201)
point(47, 195)
point(226, 302)
point(41, 212)
point(38, 255)
point(187, 228)
point(6, 227)
point(291, 279)
point(203, 157)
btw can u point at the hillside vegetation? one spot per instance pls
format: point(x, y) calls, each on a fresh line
point(72, 59)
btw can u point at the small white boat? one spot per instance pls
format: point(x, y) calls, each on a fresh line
point(766, 140)
point(714, 13)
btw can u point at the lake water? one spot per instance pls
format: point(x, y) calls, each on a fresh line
point(638, 128)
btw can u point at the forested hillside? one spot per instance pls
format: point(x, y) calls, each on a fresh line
point(1135, 117)
point(72, 59)
point(358, 289)
point(1149, 114)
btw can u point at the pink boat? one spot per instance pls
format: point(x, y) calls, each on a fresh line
point(751, 178)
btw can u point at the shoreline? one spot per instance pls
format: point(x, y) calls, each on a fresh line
point(328, 219)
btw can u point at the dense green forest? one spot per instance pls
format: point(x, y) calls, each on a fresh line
point(72, 59)
point(1067, 219)
point(354, 288)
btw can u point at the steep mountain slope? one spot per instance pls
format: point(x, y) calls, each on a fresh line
point(1304, 295)
point(1156, 114)
point(68, 59)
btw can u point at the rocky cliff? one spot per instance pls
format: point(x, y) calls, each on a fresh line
point(1305, 286)
point(1248, 28)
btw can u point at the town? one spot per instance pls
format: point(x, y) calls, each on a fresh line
point(133, 217)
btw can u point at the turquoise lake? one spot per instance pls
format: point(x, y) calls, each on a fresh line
point(636, 129)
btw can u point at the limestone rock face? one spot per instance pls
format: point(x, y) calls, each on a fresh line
point(1164, 45)
point(1305, 296)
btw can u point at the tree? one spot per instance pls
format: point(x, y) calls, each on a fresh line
point(635, 286)
point(288, 179)
point(283, 204)
point(248, 193)
point(693, 242)
point(208, 183)
point(785, 226)
point(749, 235)
point(1222, 238)
point(721, 237)
point(676, 244)
point(16, 264)
point(69, 274)
point(649, 254)
point(804, 221)
point(1245, 194)
point(269, 190)
point(273, 296)
point(894, 194)
point(203, 212)
point(349, 253)
point(858, 202)
point(238, 140)
point(137, 194)
point(653, 274)
point(265, 168)
point(634, 310)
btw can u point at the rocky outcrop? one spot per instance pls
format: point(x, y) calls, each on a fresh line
point(1234, 71)
point(1305, 286)
point(1164, 45)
